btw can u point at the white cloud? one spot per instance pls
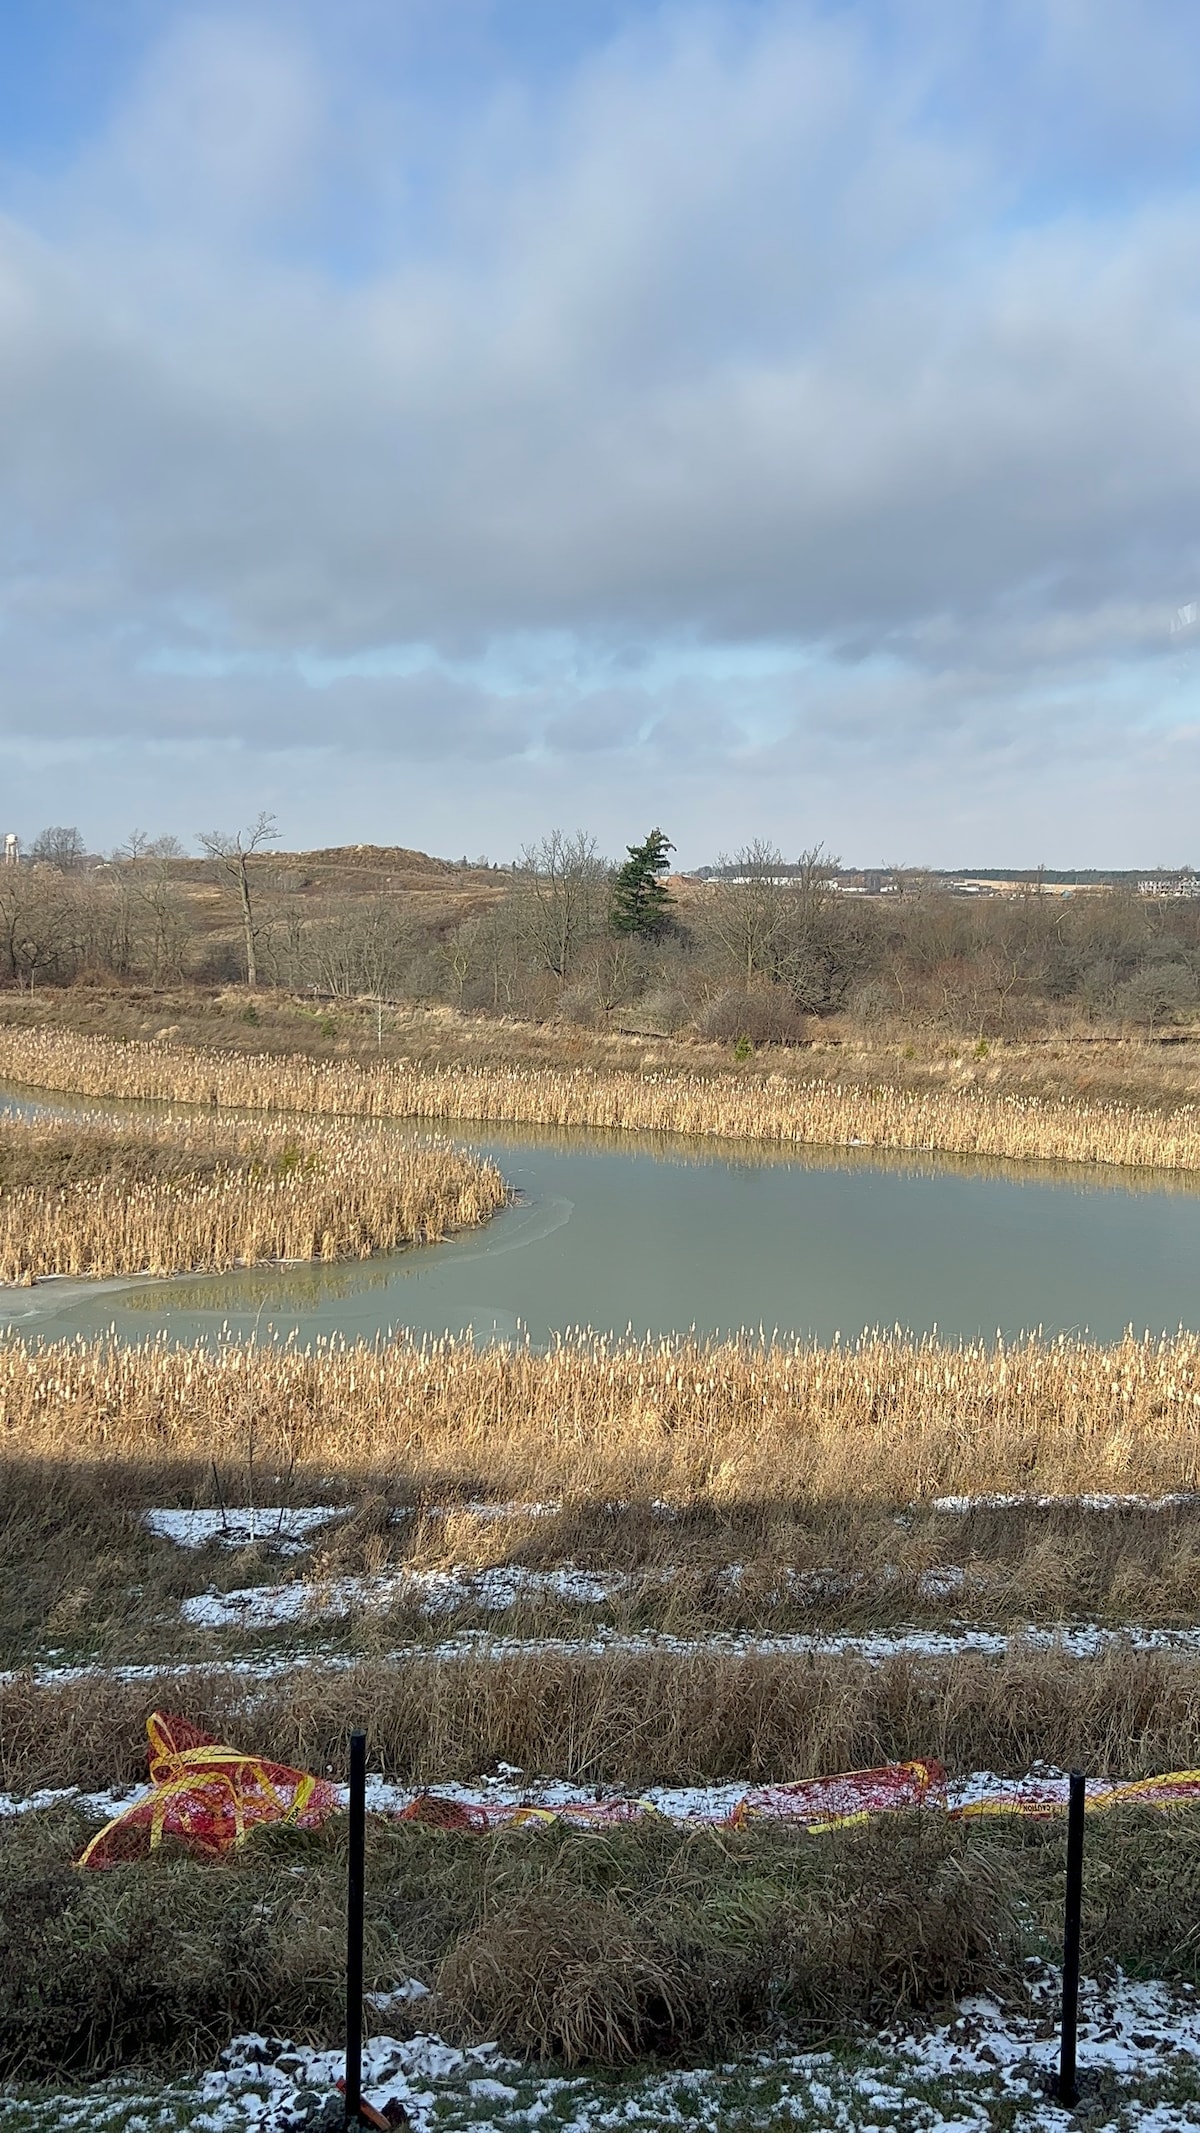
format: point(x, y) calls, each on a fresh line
point(730, 341)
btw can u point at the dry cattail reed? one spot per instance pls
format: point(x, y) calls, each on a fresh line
point(962, 1122)
point(232, 1196)
point(886, 1419)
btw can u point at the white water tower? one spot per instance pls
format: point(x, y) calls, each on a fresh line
point(12, 849)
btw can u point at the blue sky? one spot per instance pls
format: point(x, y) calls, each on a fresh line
point(441, 422)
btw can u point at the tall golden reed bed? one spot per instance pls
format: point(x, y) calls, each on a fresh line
point(886, 1419)
point(279, 1190)
point(961, 1122)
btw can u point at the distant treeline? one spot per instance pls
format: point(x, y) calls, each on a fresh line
point(762, 949)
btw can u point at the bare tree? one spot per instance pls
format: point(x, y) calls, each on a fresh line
point(36, 921)
point(747, 908)
point(165, 911)
point(562, 897)
point(232, 855)
point(494, 944)
point(59, 847)
point(616, 971)
point(356, 947)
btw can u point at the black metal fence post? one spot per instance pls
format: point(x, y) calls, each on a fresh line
point(1067, 2085)
point(354, 1927)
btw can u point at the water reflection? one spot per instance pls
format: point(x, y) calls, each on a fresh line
point(646, 1232)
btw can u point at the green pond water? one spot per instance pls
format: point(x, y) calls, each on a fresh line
point(613, 1233)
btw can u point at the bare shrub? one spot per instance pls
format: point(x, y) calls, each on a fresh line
point(578, 1007)
point(570, 1983)
point(660, 1012)
point(872, 1004)
point(765, 1016)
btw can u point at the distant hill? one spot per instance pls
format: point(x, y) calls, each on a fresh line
point(394, 858)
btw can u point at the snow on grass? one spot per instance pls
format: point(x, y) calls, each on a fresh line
point(959, 1506)
point(1083, 1642)
point(287, 1530)
point(98, 1806)
point(495, 1590)
point(501, 1586)
point(486, 1512)
point(511, 1788)
point(433, 1592)
point(984, 2068)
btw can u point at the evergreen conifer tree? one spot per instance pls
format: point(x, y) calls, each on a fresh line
point(641, 901)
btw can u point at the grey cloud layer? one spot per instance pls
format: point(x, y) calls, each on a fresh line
point(722, 340)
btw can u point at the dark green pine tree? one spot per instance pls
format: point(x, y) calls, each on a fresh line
point(641, 901)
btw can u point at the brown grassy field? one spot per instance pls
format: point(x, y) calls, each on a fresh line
point(1127, 1068)
point(730, 1488)
point(166, 1195)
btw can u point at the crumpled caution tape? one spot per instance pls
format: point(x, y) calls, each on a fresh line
point(207, 1795)
point(812, 1804)
point(817, 1804)
point(436, 1810)
point(210, 1797)
point(1048, 1796)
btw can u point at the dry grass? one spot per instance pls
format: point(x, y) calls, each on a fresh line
point(1116, 1067)
point(883, 1420)
point(965, 1120)
point(165, 1195)
point(776, 1459)
point(631, 1719)
point(81, 1577)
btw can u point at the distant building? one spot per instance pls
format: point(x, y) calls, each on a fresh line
point(1183, 883)
point(12, 849)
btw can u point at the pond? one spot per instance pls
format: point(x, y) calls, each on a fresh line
point(614, 1233)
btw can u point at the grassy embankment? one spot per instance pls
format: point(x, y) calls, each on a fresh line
point(649, 1940)
point(775, 1460)
point(1115, 1066)
point(976, 1120)
point(159, 1196)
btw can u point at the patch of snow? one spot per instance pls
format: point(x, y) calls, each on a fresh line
point(287, 1530)
point(402, 1995)
point(433, 1592)
point(484, 1511)
point(808, 1587)
point(1127, 2025)
point(494, 1590)
point(983, 2067)
point(1083, 1642)
point(97, 1806)
point(959, 1506)
point(266, 2080)
point(1086, 1641)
